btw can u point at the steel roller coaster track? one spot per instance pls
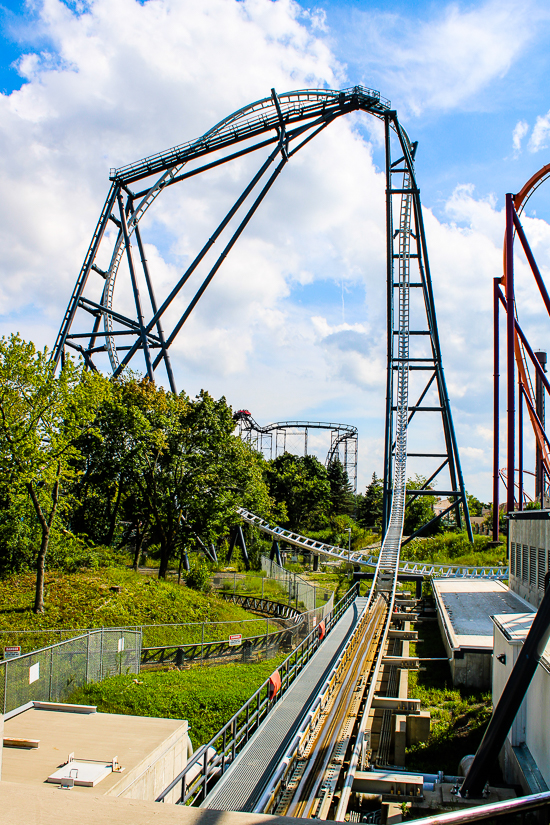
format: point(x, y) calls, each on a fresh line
point(271, 439)
point(95, 326)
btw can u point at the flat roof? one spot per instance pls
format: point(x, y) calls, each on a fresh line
point(29, 805)
point(90, 736)
point(515, 629)
point(466, 607)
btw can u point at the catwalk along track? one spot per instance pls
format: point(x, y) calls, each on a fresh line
point(331, 739)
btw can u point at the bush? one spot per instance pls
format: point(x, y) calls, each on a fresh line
point(455, 548)
point(198, 576)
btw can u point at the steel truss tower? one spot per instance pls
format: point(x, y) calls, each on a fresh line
point(272, 439)
point(120, 324)
point(407, 263)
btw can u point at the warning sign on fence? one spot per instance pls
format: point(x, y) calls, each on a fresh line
point(235, 639)
point(12, 651)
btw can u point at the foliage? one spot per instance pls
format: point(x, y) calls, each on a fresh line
point(193, 694)
point(458, 716)
point(300, 484)
point(369, 507)
point(419, 510)
point(342, 500)
point(166, 471)
point(198, 576)
point(475, 506)
point(455, 548)
point(85, 599)
point(337, 533)
point(41, 418)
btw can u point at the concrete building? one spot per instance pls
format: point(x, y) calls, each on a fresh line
point(464, 610)
point(529, 553)
point(525, 758)
point(150, 752)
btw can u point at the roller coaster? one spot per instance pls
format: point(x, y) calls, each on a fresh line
point(301, 743)
point(271, 439)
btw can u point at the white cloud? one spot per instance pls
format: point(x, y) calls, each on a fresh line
point(541, 131)
point(129, 79)
point(446, 61)
point(520, 130)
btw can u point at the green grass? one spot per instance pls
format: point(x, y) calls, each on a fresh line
point(459, 716)
point(81, 600)
point(207, 697)
point(454, 548)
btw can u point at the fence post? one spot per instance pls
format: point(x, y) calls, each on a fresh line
point(263, 587)
point(51, 674)
point(202, 642)
point(101, 656)
point(87, 655)
point(5, 688)
point(234, 583)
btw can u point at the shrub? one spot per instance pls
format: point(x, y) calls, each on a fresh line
point(198, 576)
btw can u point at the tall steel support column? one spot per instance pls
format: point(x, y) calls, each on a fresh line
point(496, 408)
point(407, 245)
point(388, 435)
point(510, 362)
point(541, 412)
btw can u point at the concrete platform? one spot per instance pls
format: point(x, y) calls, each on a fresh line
point(464, 610)
point(151, 751)
point(46, 805)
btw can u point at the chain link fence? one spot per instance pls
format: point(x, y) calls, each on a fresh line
point(53, 673)
point(298, 592)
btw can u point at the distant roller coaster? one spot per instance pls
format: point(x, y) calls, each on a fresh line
point(271, 440)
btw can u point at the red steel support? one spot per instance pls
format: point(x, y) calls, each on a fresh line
point(496, 434)
point(520, 446)
point(510, 338)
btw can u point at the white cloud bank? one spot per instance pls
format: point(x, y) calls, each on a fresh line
point(446, 61)
point(122, 80)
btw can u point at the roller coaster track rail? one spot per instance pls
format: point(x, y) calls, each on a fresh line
point(271, 439)
point(101, 325)
point(288, 122)
point(365, 557)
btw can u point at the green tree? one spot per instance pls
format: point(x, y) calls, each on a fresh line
point(301, 486)
point(369, 508)
point(475, 506)
point(41, 419)
point(168, 467)
point(342, 500)
point(419, 510)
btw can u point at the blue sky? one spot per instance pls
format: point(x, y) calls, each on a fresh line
point(89, 85)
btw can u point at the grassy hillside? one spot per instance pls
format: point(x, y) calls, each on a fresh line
point(206, 697)
point(85, 599)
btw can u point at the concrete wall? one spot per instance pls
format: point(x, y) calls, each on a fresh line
point(529, 556)
point(529, 732)
point(157, 770)
point(471, 668)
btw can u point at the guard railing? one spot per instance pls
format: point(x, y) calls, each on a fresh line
point(525, 809)
point(211, 761)
point(251, 648)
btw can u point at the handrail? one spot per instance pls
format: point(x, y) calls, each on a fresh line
point(208, 764)
point(212, 650)
point(360, 557)
point(490, 811)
